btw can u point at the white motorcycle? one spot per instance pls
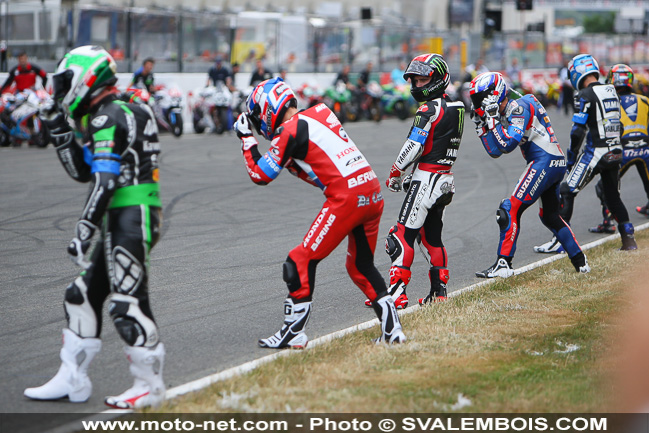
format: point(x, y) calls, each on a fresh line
point(213, 109)
point(168, 108)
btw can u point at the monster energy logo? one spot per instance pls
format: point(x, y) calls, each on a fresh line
point(439, 65)
point(460, 126)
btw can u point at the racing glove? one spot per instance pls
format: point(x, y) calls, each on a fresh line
point(406, 182)
point(51, 115)
point(81, 242)
point(395, 179)
point(244, 132)
point(480, 125)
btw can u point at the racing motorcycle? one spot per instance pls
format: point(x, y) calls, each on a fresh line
point(212, 109)
point(168, 108)
point(20, 121)
point(397, 101)
point(370, 101)
point(166, 105)
point(339, 99)
point(310, 95)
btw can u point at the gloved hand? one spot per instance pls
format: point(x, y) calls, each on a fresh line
point(50, 113)
point(491, 122)
point(480, 125)
point(406, 182)
point(81, 242)
point(395, 179)
point(242, 126)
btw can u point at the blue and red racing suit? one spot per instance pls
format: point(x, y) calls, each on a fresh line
point(530, 129)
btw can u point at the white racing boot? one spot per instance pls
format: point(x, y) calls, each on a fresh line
point(72, 378)
point(391, 331)
point(148, 388)
point(552, 246)
point(292, 334)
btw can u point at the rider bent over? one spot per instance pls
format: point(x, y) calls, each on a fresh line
point(530, 129)
point(313, 145)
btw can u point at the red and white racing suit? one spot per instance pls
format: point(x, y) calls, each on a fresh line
point(314, 146)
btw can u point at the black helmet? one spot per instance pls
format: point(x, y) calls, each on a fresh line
point(428, 65)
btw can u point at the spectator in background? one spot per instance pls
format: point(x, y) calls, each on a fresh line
point(396, 76)
point(260, 74)
point(475, 69)
point(143, 77)
point(364, 76)
point(282, 75)
point(233, 74)
point(24, 75)
point(218, 72)
point(513, 72)
point(344, 77)
point(567, 92)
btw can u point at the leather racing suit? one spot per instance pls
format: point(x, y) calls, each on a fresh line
point(314, 146)
point(431, 150)
point(120, 161)
point(529, 127)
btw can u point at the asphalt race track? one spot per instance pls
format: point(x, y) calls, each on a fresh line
point(216, 284)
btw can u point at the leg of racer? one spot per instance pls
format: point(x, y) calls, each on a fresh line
point(84, 299)
point(133, 232)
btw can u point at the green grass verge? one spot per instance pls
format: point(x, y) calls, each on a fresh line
point(537, 342)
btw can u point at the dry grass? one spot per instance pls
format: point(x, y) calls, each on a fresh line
point(536, 342)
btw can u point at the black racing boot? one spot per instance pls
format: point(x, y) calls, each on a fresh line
point(628, 240)
point(438, 279)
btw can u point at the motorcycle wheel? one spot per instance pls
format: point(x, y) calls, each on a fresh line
point(376, 113)
point(219, 123)
point(177, 126)
point(5, 140)
point(198, 128)
point(339, 111)
point(400, 110)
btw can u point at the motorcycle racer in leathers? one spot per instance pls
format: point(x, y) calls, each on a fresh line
point(313, 145)
point(597, 121)
point(120, 162)
point(634, 139)
point(528, 127)
point(430, 151)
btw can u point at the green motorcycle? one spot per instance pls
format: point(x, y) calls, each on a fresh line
point(338, 98)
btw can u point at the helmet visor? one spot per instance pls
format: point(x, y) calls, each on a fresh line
point(62, 83)
point(417, 68)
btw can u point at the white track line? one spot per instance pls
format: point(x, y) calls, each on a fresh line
point(251, 365)
point(206, 381)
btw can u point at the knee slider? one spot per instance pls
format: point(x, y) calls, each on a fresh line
point(502, 214)
point(291, 275)
point(73, 294)
point(392, 244)
point(135, 328)
point(80, 315)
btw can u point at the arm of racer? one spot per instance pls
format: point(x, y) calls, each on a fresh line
point(104, 160)
point(409, 153)
point(577, 135)
point(8, 81)
point(497, 140)
point(41, 73)
point(104, 171)
point(68, 150)
point(297, 171)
